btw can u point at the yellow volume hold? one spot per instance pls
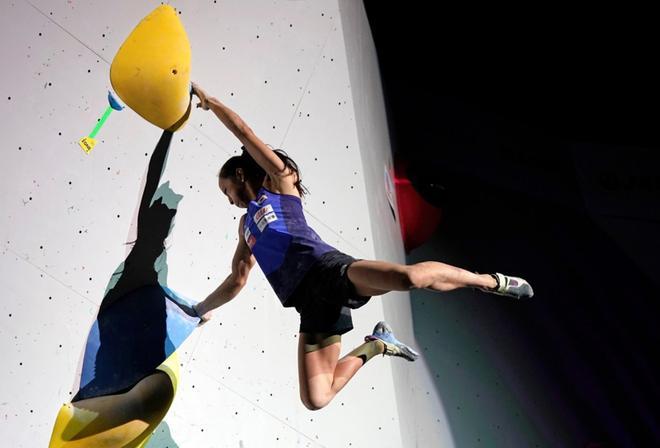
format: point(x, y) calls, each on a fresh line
point(151, 70)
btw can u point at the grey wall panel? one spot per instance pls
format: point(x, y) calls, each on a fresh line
point(420, 406)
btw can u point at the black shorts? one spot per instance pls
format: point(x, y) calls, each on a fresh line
point(325, 296)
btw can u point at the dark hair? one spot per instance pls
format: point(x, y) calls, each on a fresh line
point(253, 172)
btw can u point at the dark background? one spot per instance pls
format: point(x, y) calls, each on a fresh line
point(537, 134)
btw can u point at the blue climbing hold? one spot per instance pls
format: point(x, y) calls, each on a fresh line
point(114, 102)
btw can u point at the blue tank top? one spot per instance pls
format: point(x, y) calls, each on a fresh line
point(284, 246)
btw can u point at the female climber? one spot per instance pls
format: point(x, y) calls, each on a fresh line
point(322, 283)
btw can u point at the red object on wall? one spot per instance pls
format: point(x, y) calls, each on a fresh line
point(417, 218)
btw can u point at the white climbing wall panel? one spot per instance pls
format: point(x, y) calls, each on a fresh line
point(66, 217)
